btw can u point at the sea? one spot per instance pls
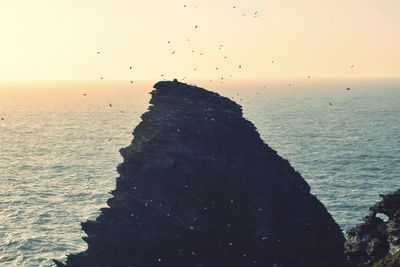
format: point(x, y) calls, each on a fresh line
point(60, 141)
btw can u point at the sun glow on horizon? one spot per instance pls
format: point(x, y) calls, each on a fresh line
point(101, 40)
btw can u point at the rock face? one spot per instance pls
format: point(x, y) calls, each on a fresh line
point(377, 242)
point(198, 187)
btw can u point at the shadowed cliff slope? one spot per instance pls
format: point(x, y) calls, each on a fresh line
point(198, 187)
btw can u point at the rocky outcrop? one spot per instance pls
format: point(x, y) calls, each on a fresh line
point(198, 187)
point(376, 242)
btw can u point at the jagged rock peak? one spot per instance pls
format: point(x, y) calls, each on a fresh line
point(376, 242)
point(198, 187)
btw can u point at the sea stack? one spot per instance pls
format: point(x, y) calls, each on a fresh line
point(376, 242)
point(199, 187)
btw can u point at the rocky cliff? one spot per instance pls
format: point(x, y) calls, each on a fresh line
point(376, 242)
point(198, 187)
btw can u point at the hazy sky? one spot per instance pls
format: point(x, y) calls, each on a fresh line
point(59, 39)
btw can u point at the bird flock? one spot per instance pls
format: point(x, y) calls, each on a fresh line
point(197, 27)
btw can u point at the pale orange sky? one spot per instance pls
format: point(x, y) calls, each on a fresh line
point(59, 39)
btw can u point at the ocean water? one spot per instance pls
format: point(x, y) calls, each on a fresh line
point(59, 150)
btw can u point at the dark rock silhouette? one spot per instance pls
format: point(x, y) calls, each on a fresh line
point(198, 187)
point(377, 242)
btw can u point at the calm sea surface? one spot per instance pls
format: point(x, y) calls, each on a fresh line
point(59, 151)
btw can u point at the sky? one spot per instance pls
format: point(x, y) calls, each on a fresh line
point(59, 39)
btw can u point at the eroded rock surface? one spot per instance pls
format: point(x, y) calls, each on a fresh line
point(376, 242)
point(198, 187)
